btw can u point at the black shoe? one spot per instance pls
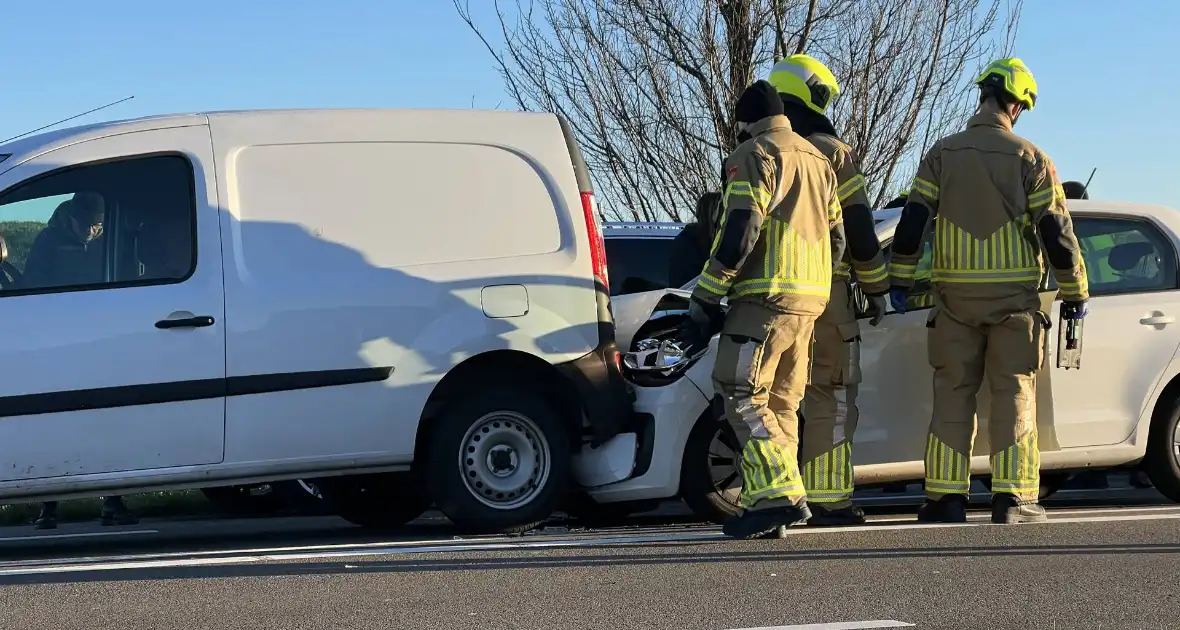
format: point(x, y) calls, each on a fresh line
point(46, 521)
point(1008, 510)
point(759, 523)
point(951, 508)
point(117, 517)
point(824, 517)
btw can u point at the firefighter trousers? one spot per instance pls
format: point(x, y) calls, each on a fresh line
point(761, 372)
point(829, 405)
point(1007, 337)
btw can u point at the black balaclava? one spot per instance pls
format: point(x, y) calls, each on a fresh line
point(805, 120)
point(1075, 190)
point(758, 101)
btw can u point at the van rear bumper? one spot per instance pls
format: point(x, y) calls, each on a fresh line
point(606, 396)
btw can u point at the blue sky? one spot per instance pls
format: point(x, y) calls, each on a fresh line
point(67, 56)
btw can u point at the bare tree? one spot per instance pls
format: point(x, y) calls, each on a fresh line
point(649, 86)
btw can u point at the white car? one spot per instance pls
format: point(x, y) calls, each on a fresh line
point(240, 297)
point(1120, 409)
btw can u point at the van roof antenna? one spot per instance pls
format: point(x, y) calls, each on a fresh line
point(122, 100)
point(1087, 186)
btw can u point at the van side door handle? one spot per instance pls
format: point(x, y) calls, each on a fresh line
point(199, 321)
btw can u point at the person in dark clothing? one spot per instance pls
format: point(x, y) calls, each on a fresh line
point(899, 202)
point(691, 247)
point(69, 250)
point(114, 512)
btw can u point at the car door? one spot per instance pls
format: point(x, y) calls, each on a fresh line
point(1130, 335)
point(114, 353)
point(895, 397)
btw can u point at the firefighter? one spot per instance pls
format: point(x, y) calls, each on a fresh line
point(999, 203)
point(773, 260)
point(807, 88)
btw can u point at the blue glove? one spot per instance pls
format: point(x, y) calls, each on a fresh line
point(897, 297)
point(1073, 310)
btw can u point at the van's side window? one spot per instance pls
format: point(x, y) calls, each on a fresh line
point(120, 223)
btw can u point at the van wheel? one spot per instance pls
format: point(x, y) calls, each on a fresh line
point(710, 474)
point(1162, 461)
point(498, 461)
point(381, 501)
point(1051, 482)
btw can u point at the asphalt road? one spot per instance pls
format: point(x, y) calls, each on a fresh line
point(1103, 562)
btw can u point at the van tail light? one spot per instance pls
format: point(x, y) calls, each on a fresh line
point(597, 245)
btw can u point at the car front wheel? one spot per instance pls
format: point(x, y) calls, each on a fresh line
point(710, 474)
point(498, 460)
point(1162, 462)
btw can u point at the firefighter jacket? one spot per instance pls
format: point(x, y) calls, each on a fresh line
point(995, 201)
point(782, 225)
point(863, 254)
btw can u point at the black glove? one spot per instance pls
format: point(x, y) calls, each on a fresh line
point(704, 321)
point(1071, 309)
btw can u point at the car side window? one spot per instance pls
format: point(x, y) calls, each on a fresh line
point(106, 225)
point(1124, 256)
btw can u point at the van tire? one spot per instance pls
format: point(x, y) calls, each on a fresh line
point(697, 486)
point(519, 444)
point(379, 501)
point(1162, 460)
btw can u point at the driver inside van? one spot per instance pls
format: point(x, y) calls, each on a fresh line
point(69, 250)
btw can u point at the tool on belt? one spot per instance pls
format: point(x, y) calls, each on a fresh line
point(1069, 337)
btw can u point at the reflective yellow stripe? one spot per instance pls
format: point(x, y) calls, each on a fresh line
point(977, 276)
point(947, 471)
point(849, 188)
point(873, 276)
point(902, 271)
point(1017, 469)
point(1070, 289)
point(769, 472)
point(925, 187)
point(790, 264)
point(829, 478)
point(843, 270)
point(774, 286)
point(835, 213)
point(745, 189)
point(1046, 196)
point(1007, 255)
point(712, 284)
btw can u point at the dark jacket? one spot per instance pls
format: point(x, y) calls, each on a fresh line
point(692, 246)
point(61, 256)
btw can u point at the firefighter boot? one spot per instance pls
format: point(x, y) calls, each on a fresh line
point(47, 519)
point(114, 512)
point(951, 508)
point(1008, 510)
point(761, 523)
point(824, 517)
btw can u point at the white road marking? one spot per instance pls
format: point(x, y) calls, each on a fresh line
point(80, 535)
point(843, 625)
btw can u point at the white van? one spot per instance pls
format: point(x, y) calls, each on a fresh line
point(379, 300)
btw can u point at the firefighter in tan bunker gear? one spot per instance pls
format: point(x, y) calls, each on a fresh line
point(772, 258)
point(807, 88)
point(996, 202)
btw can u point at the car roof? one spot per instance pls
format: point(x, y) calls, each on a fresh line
point(640, 229)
